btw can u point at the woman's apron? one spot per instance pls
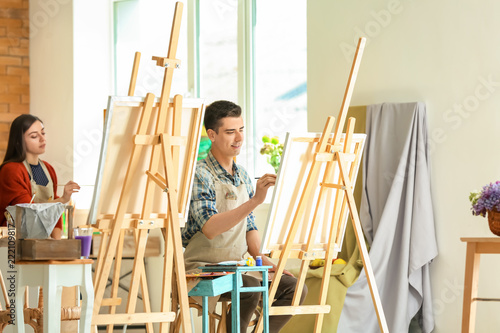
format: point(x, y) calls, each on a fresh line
point(230, 245)
point(42, 193)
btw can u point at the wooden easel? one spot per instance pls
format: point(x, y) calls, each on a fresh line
point(163, 172)
point(334, 157)
point(115, 281)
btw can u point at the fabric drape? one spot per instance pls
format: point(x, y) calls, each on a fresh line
point(398, 221)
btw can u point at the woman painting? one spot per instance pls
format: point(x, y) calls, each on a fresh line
point(23, 175)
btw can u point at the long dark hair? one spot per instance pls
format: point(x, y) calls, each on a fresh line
point(16, 148)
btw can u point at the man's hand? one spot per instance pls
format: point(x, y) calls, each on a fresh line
point(267, 262)
point(263, 184)
point(284, 271)
point(222, 222)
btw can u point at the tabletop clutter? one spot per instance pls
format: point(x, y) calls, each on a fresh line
point(250, 261)
point(34, 223)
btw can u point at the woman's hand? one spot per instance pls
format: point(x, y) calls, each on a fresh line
point(70, 188)
point(56, 233)
point(263, 184)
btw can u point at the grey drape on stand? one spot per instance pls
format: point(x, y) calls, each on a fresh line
point(397, 217)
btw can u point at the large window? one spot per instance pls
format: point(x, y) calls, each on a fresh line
point(218, 50)
point(252, 52)
point(144, 26)
point(280, 73)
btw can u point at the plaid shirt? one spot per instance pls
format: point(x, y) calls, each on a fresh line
point(202, 205)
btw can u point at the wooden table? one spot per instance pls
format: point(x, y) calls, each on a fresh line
point(475, 247)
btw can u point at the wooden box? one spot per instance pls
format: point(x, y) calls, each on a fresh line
point(49, 249)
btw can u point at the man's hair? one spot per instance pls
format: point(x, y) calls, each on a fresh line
point(219, 110)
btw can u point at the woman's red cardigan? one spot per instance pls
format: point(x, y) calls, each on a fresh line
point(15, 187)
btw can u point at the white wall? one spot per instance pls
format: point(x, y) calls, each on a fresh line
point(70, 80)
point(51, 79)
point(446, 54)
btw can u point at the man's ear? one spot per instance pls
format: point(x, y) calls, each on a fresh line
point(211, 134)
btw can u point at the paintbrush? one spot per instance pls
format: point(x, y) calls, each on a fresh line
point(32, 198)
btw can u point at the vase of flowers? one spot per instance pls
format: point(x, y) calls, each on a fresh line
point(273, 148)
point(487, 201)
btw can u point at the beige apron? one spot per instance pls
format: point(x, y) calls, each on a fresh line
point(230, 245)
point(43, 193)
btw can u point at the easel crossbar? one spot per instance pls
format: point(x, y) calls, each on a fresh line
point(151, 140)
point(330, 185)
point(302, 309)
point(128, 223)
point(133, 318)
point(301, 254)
point(329, 157)
point(111, 301)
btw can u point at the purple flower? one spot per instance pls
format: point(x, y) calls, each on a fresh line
point(488, 199)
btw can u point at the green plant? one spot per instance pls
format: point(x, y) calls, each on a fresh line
point(273, 148)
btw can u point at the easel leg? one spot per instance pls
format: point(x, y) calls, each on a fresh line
point(138, 269)
point(301, 279)
point(174, 305)
point(145, 294)
point(337, 216)
point(167, 276)
point(358, 231)
point(100, 256)
point(116, 275)
point(174, 230)
point(181, 282)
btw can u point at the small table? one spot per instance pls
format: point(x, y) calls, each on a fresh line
point(237, 289)
point(52, 275)
point(209, 287)
point(475, 247)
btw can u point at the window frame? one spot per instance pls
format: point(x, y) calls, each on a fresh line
point(246, 64)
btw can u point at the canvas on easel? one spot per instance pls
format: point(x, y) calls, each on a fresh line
point(295, 165)
point(122, 118)
point(308, 221)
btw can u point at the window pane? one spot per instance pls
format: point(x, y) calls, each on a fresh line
point(144, 26)
point(218, 47)
point(280, 73)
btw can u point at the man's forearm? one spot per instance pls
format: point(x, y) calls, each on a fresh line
point(222, 222)
point(253, 243)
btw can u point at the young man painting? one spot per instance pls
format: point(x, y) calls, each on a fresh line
point(221, 224)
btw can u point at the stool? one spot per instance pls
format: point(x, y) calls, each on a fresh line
point(237, 289)
point(475, 247)
point(52, 275)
